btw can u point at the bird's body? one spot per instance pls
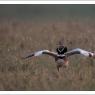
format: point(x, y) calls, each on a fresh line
point(62, 59)
point(62, 63)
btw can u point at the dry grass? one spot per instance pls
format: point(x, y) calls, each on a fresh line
point(17, 38)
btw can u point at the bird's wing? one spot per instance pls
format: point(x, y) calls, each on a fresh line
point(79, 51)
point(38, 53)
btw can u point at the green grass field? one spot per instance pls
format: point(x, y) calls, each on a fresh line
point(19, 36)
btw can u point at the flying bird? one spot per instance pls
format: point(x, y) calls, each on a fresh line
point(61, 59)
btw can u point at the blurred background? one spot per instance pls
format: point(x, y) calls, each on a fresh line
point(47, 11)
point(27, 28)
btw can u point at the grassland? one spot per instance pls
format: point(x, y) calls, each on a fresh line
point(27, 28)
point(17, 38)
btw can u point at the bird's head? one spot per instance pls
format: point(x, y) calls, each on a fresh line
point(61, 43)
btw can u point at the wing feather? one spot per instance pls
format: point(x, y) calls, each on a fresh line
point(39, 53)
point(79, 51)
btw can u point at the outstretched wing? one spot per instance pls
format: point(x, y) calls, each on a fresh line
point(79, 51)
point(38, 53)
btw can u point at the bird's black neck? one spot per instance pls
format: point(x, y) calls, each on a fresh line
point(61, 50)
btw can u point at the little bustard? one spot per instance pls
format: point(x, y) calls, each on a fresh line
point(61, 59)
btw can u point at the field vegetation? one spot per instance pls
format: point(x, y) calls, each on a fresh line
point(28, 28)
point(18, 38)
